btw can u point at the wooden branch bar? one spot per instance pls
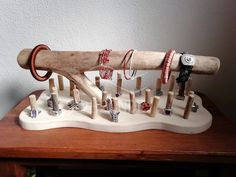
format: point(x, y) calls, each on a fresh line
point(76, 61)
point(73, 64)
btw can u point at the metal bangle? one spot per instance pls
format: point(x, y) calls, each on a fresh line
point(33, 55)
point(131, 76)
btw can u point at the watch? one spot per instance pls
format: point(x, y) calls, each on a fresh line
point(187, 62)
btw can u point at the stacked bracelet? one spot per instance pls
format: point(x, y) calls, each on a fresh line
point(165, 74)
point(133, 74)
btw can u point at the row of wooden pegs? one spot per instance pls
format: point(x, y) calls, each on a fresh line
point(76, 102)
point(150, 103)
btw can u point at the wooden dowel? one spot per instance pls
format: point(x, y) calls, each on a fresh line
point(189, 86)
point(158, 87)
point(60, 82)
point(33, 103)
point(154, 106)
point(169, 101)
point(118, 86)
point(132, 103)
point(76, 96)
point(94, 108)
point(191, 93)
point(158, 84)
point(51, 84)
point(180, 95)
point(172, 83)
point(115, 105)
point(148, 96)
point(138, 83)
point(104, 97)
point(55, 106)
point(97, 81)
point(54, 90)
point(188, 106)
point(72, 87)
point(119, 76)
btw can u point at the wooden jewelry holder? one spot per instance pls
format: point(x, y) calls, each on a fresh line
point(73, 64)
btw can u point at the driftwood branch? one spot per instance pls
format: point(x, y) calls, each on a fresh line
point(73, 64)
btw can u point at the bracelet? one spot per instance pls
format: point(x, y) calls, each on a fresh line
point(165, 74)
point(105, 72)
point(32, 57)
point(187, 62)
point(133, 74)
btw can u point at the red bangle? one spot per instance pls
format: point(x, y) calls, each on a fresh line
point(166, 66)
point(33, 55)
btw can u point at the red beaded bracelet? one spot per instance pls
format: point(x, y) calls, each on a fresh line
point(166, 66)
point(105, 72)
point(33, 55)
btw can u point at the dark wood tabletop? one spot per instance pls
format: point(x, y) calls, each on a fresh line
point(217, 144)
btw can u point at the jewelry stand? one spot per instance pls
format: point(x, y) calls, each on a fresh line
point(72, 65)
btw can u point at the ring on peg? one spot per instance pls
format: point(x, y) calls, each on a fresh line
point(33, 55)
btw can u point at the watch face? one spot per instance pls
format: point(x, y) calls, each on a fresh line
point(188, 60)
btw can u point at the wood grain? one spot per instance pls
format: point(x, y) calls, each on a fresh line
point(218, 144)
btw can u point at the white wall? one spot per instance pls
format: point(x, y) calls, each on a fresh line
point(199, 27)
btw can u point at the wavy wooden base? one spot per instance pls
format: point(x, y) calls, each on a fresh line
point(197, 122)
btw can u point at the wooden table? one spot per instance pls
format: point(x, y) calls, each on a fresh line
point(21, 148)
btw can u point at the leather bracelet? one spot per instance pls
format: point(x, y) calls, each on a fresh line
point(33, 55)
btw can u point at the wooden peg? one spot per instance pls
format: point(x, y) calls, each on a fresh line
point(55, 106)
point(158, 87)
point(189, 86)
point(191, 93)
point(104, 97)
point(115, 105)
point(51, 84)
point(180, 95)
point(97, 81)
point(76, 96)
point(138, 86)
point(172, 83)
point(148, 96)
point(118, 87)
point(188, 106)
point(138, 83)
point(60, 82)
point(33, 104)
point(154, 106)
point(54, 90)
point(72, 87)
point(133, 107)
point(34, 112)
point(169, 102)
point(118, 76)
point(94, 107)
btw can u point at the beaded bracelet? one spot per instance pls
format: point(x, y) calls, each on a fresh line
point(166, 66)
point(105, 71)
